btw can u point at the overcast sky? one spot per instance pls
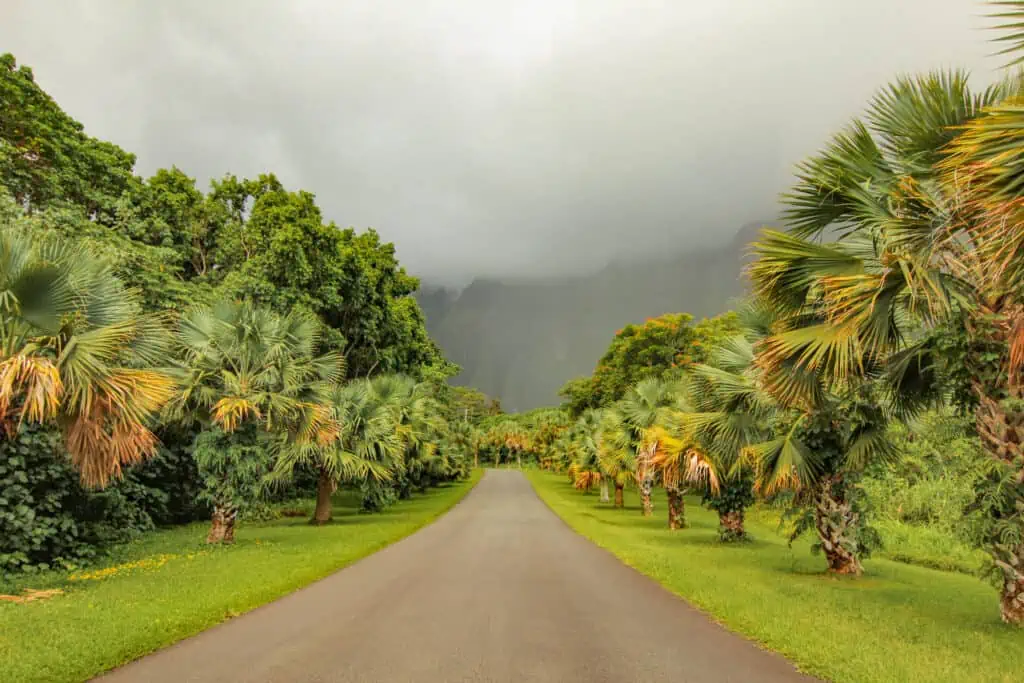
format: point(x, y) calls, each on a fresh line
point(487, 137)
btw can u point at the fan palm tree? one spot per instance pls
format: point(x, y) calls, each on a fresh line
point(465, 438)
point(616, 455)
point(728, 413)
point(75, 348)
point(418, 423)
point(921, 246)
point(585, 437)
point(510, 436)
point(701, 438)
point(363, 445)
point(627, 446)
point(251, 377)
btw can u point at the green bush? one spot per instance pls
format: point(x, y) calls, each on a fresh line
point(48, 519)
point(933, 483)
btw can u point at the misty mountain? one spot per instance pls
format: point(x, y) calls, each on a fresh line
point(521, 340)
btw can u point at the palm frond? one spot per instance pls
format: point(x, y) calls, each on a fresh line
point(1011, 25)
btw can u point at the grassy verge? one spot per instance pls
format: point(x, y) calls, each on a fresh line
point(905, 543)
point(897, 623)
point(169, 586)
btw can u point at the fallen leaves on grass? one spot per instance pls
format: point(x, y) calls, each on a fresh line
point(145, 564)
point(31, 595)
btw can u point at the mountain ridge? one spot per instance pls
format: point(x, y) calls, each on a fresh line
point(522, 339)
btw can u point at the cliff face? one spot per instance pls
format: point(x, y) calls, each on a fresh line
point(521, 340)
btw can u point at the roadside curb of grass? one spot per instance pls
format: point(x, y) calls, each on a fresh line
point(803, 666)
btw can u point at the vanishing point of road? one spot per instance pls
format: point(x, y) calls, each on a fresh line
point(499, 589)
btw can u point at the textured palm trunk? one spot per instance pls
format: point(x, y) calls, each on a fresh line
point(999, 419)
point(645, 479)
point(731, 525)
point(1011, 597)
point(676, 508)
point(604, 490)
point(647, 504)
point(324, 490)
point(836, 523)
point(222, 526)
point(1002, 434)
point(619, 498)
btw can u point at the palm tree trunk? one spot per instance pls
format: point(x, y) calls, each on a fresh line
point(222, 524)
point(1011, 597)
point(325, 487)
point(646, 485)
point(604, 490)
point(1001, 429)
point(619, 498)
point(836, 523)
point(731, 525)
point(676, 508)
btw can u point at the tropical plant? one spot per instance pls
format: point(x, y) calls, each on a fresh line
point(252, 380)
point(418, 425)
point(76, 349)
point(508, 436)
point(923, 256)
point(721, 412)
point(463, 437)
point(629, 440)
point(585, 437)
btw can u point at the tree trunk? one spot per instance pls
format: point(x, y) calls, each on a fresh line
point(325, 487)
point(836, 523)
point(997, 333)
point(676, 508)
point(1011, 597)
point(647, 504)
point(604, 490)
point(619, 499)
point(222, 526)
point(1002, 433)
point(730, 525)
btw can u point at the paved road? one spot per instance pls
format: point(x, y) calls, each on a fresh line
point(499, 589)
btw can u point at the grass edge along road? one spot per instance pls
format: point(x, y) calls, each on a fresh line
point(174, 586)
point(897, 623)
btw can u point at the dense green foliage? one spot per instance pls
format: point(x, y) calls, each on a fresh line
point(660, 347)
point(133, 255)
point(49, 518)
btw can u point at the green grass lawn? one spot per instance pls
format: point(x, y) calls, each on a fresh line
point(169, 586)
point(897, 623)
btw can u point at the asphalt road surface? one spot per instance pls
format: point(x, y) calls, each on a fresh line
point(499, 589)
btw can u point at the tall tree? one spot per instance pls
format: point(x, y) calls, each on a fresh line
point(252, 379)
point(46, 158)
point(367, 447)
point(629, 440)
point(922, 268)
point(77, 349)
